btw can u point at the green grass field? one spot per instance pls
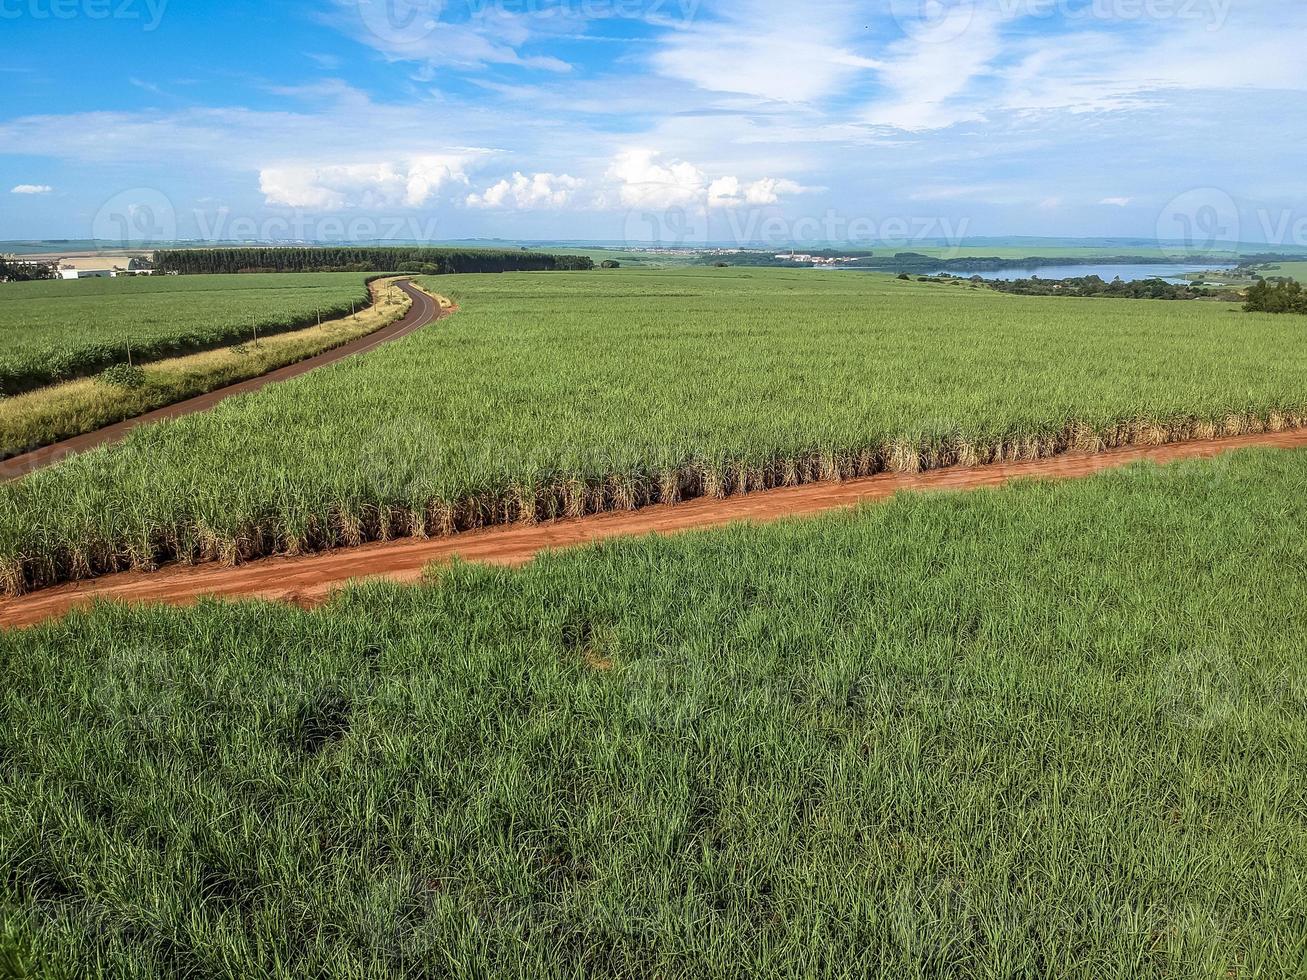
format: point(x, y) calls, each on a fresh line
point(1056, 730)
point(53, 331)
point(567, 393)
point(60, 411)
point(627, 258)
point(1293, 270)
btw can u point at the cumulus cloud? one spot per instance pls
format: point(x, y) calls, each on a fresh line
point(32, 189)
point(523, 193)
point(1116, 202)
point(389, 184)
point(769, 190)
point(641, 178)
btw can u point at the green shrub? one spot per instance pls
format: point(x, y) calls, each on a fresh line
point(124, 376)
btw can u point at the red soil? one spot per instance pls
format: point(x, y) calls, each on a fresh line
point(308, 581)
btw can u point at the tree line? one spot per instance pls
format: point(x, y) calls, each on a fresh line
point(1286, 296)
point(428, 261)
point(1097, 286)
point(18, 270)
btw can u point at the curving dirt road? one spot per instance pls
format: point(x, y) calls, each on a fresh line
point(424, 311)
point(310, 580)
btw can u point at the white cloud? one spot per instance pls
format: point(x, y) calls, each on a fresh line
point(523, 193)
point(769, 190)
point(389, 184)
point(954, 192)
point(641, 178)
point(827, 92)
point(928, 79)
point(1001, 60)
point(412, 30)
point(724, 191)
point(32, 189)
point(781, 52)
point(727, 192)
point(1102, 69)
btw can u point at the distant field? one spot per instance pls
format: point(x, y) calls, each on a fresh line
point(565, 393)
point(59, 411)
point(1294, 270)
point(1002, 251)
point(1022, 251)
point(628, 259)
point(1050, 731)
point(52, 331)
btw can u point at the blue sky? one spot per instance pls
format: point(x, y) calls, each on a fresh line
point(678, 120)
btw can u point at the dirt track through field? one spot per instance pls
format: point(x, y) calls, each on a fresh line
point(308, 581)
point(424, 311)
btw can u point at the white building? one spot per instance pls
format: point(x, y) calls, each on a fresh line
point(103, 266)
point(66, 272)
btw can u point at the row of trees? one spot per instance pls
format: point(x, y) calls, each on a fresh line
point(19, 270)
point(430, 261)
point(1280, 297)
point(1097, 286)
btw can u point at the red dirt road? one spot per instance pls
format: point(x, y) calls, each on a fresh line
point(424, 311)
point(310, 580)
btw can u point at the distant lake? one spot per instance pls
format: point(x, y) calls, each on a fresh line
point(1128, 273)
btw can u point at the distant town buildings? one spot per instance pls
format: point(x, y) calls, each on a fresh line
point(104, 267)
point(803, 258)
point(798, 258)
